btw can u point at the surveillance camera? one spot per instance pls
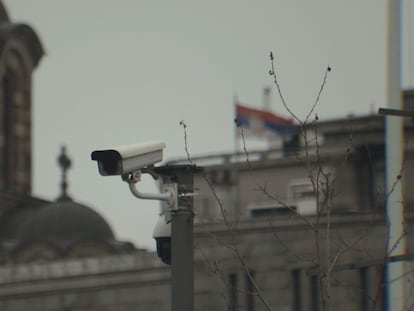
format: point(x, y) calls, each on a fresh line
point(162, 236)
point(129, 158)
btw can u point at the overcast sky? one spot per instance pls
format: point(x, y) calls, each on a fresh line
point(118, 72)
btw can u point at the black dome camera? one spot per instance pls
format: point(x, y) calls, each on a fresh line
point(162, 236)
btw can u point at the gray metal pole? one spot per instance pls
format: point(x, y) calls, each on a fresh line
point(394, 160)
point(182, 296)
point(182, 282)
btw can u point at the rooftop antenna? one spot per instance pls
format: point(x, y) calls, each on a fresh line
point(266, 98)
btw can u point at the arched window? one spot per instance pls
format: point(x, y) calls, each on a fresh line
point(5, 134)
point(15, 129)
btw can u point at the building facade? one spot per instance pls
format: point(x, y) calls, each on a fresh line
point(293, 229)
point(297, 229)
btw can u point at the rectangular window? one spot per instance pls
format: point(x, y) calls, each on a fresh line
point(250, 292)
point(296, 290)
point(232, 292)
point(6, 132)
point(302, 195)
point(364, 289)
point(314, 293)
point(378, 184)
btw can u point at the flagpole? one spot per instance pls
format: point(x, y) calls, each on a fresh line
point(272, 140)
point(236, 128)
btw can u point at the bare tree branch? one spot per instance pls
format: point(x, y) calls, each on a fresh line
point(230, 229)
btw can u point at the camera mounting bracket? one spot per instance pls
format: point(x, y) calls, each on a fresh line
point(169, 194)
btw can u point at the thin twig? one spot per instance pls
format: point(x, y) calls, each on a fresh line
point(241, 130)
point(182, 123)
point(272, 72)
point(328, 69)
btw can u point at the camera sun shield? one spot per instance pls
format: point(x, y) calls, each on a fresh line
point(126, 159)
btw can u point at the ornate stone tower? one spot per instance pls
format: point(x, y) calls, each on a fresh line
point(20, 52)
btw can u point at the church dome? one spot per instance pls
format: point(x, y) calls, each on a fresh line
point(64, 224)
point(36, 230)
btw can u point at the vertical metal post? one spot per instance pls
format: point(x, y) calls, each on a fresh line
point(182, 295)
point(182, 283)
point(394, 161)
point(182, 291)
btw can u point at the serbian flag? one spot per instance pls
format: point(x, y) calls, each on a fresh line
point(263, 123)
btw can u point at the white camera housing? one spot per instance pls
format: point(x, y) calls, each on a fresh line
point(126, 159)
